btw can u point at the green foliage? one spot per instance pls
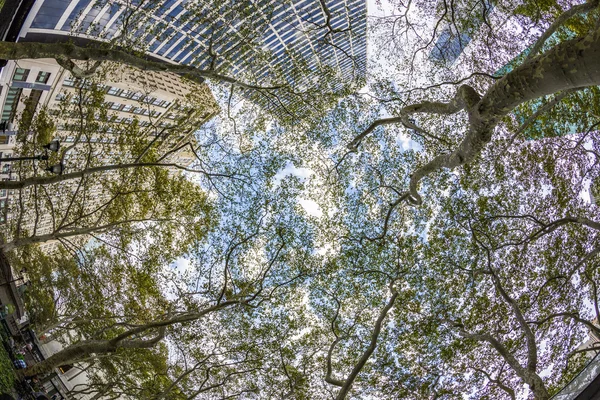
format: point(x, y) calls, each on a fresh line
point(541, 10)
point(283, 276)
point(575, 113)
point(7, 375)
point(39, 297)
point(43, 127)
point(574, 367)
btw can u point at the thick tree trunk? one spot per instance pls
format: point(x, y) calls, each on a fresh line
point(70, 355)
point(572, 64)
point(63, 53)
point(537, 386)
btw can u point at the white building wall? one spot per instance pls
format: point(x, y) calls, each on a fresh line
point(72, 377)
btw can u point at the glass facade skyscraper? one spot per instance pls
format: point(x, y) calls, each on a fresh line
point(454, 38)
point(254, 37)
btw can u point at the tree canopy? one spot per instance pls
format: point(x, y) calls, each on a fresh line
point(431, 234)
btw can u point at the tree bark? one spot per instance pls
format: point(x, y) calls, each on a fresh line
point(70, 355)
point(63, 53)
point(573, 64)
point(86, 348)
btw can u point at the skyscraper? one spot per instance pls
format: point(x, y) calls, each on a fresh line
point(249, 37)
point(166, 109)
point(455, 37)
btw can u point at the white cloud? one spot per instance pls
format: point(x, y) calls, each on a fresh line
point(311, 207)
point(182, 265)
point(291, 169)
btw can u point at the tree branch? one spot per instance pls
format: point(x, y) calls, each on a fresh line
point(558, 22)
point(64, 53)
point(369, 351)
point(465, 97)
point(47, 180)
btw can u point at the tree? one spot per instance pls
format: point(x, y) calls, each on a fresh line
point(137, 188)
point(459, 261)
point(488, 338)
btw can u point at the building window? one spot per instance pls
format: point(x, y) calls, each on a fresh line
point(115, 106)
point(10, 105)
point(20, 75)
point(42, 77)
point(6, 169)
point(127, 108)
point(449, 46)
point(114, 91)
point(69, 81)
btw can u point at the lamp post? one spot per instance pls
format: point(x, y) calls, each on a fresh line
point(52, 146)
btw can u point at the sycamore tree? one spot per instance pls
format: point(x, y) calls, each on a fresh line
point(503, 267)
point(434, 249)
point(135, 201)
point(244, 272)
point(280, 90)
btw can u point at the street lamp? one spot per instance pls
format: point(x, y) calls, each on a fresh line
point(52, 146)
point(56, 169)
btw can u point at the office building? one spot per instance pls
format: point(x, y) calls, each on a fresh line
point(454, 38)
point(251, 39)
point(167, 111)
